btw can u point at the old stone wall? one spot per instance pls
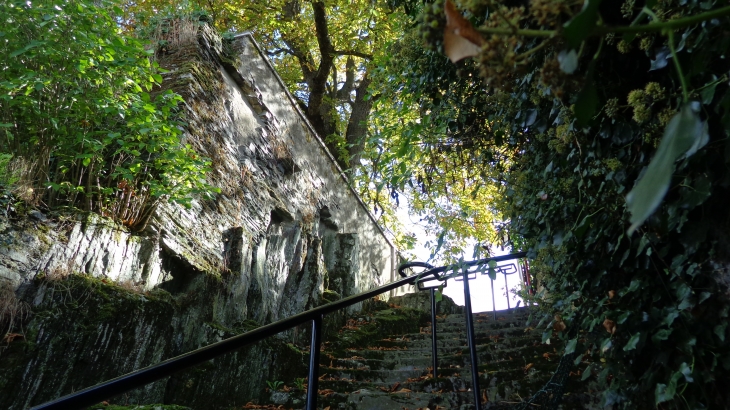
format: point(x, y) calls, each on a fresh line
point(94, 300)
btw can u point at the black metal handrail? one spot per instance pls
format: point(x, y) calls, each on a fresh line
point(466, 277)
point(95, 394)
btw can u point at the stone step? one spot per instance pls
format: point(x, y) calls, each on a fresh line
point(447, 349)
point(501, 370)
point(401, 359)
point(422, 359)
point(450, 340)
point(485, 317)
point(368, 399)
point(395, 372)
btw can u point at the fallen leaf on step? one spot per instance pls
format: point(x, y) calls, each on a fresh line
point(461, 40)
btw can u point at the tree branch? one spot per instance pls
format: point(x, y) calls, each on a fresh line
point(343, 94)
point(318, 81)
point(352, 53)
point(280, 51)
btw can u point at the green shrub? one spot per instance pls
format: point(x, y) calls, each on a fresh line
point(77, 103)
point(6, 176)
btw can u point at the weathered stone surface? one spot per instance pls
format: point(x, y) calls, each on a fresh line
point(422, 301)
point(382, 360)
point(285, 227)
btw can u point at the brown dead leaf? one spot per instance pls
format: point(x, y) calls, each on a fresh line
point(461, 40)
point(609, 325)
point(559, 326)
point(611, 294)
point(9, 337)
point(529, 366)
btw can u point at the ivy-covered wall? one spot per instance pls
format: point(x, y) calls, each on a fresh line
point(93, 300)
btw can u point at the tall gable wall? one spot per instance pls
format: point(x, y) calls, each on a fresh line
point(285, 228)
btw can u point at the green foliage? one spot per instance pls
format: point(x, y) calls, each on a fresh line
point(426, 150)
point(7, 177)
point(300, 383)
point(274, 385)
point(340, 145)
point(684, 135)
point(78, 103)
point(649, 301)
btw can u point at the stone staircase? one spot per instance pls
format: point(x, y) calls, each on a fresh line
point(394, 372)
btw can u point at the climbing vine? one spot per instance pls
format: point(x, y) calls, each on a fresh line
point(603, 127)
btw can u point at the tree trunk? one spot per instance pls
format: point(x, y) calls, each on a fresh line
point(357, 126)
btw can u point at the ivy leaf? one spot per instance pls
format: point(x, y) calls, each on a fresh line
point(708, 94)
point(664, 393)
point(578, 359)
point(606, 345)
point(582, 25)
point(570, 346)
point(684, 135)
point(669, 318)
point(634, 285)
point(660, 335)
point(586, 373)
point(720, 331)
point(686, 372)
point(439, 294)
point(582, 227)
point(546, 336)
point(631, 344)
point(660, 59)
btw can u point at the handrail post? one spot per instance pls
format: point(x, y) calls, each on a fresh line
point(494, 305)
point(313, 385)
point(472, 342)
point(434, 347)
point(506, 292)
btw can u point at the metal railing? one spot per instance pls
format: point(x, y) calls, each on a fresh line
point(507, 269)
point(105, 390)
point(467, 274)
